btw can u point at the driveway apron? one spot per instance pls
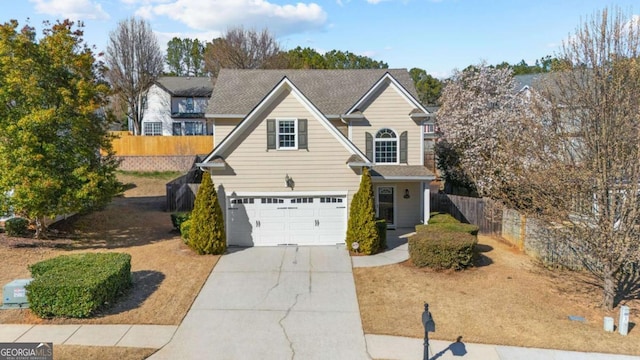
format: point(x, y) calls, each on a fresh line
point(274, 303)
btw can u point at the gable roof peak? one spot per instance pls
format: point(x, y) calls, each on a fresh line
point(332, 91)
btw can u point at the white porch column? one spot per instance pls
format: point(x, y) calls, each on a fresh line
point(426, 202)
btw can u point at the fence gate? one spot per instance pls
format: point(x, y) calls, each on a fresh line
point(483, 212)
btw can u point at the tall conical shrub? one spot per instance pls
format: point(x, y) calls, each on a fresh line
point(206, 233)
point(362, 219)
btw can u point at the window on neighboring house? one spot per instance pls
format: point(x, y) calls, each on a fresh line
point(286, 134)
point(152, 128)
point(429, 128)
point(386, 146)
point(189, 105)
point(177, 129)
point(193, 128)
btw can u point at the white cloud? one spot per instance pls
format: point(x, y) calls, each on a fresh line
point(217, 15)
point(71, 9)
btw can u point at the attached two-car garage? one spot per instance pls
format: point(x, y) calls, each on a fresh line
point(276, 219)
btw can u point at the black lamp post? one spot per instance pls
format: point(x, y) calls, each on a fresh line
point(429, 326)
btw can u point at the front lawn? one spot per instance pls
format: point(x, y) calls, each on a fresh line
point(166, 274)
point(508, 300)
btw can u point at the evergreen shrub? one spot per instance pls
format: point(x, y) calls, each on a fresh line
point(206, 233)
point(76, 286)
point(16, 226)
point(362, 227)
point(442, 250)
point(178, 218)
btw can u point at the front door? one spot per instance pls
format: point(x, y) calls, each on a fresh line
point(386, 204)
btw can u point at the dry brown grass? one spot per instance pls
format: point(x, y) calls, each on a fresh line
point(166, 274)
point(511, 300)
point(69, 352)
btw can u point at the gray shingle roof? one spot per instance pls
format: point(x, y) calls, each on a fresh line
point(186, 85)
point(333, 92)
point(401, 171)
point(520, 81)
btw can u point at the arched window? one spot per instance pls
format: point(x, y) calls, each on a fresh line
point(386, 146)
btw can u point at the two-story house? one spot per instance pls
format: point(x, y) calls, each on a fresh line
point(291, 145)
point(176, 106)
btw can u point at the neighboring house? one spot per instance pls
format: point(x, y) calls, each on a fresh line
point(430, 139)
point(175, 106)
point(291, 144)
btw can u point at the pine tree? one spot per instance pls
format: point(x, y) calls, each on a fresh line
point(362, 219)
point(207, 233)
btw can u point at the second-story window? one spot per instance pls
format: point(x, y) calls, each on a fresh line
point(386, 146)
point(189, 105)
point(287, 134)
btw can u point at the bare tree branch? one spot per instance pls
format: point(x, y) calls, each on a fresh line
point(134, 62)
point(240, 48)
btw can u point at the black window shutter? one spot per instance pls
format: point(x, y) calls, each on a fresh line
point(302, 134)
point(403, 147)
point(369, 146)
point(271, 134)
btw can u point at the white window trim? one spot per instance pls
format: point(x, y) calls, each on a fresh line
point(295, 134)
point(376, 140)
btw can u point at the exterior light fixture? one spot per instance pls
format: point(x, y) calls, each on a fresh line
point(288, 182)
point(406, 194)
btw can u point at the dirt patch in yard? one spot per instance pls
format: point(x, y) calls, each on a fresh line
point(167, 275)
point(509, 299)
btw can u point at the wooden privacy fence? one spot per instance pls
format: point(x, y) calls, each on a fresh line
point(126, 144)
point(485, 213)
point(181, 192)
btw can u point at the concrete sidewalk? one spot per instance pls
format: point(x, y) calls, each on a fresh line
point(143, 336)
point(400, 348)
point(397, 250)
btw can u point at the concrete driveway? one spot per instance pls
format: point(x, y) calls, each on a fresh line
point(274, 303)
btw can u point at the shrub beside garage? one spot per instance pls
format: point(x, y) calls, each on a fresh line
point(444, 243)
point(76, 286)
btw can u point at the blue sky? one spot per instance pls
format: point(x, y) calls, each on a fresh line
point(436, 35)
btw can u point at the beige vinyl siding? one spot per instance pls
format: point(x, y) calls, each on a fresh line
point(390, 109)
point(407, 210)
point(254, 169)
point(222, 128)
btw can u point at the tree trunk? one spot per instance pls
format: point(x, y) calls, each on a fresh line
point(609, 287)
point(39, 227)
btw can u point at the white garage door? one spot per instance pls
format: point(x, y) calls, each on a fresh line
point(277, 220)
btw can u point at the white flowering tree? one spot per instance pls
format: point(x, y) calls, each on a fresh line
point(568, 152)
point(481, 117)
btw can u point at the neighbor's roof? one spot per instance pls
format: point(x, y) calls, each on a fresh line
point(333, 92)
point(186, 85)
